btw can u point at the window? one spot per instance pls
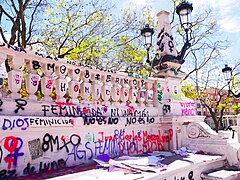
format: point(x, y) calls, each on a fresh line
point(199, 113)
point(198, 105)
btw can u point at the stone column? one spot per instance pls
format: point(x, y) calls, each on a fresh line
point(106, 88)
point(142, 93)
point(15, 76)
point(61, 82)
point(133, 92)
point(116, 90)
point(165, 42)
point(74, 84)
point(166, 47)
point(149, 94)
point(3, 57)
point(96, 87)
point(125, 90)
point(32, 78)
point(85, 90)
point(47, 81)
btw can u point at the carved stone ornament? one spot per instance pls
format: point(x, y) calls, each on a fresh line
point(195, 130)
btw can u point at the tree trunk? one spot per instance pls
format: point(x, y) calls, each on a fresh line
point(216, 126)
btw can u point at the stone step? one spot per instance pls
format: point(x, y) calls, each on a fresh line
point(178, 168)
point(226, 173)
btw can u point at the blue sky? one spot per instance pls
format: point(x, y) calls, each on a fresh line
point(228, 19)
point(227, 11)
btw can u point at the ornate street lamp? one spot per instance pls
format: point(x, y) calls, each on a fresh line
point(227, 72)
point(184, 10)
point(147, 33)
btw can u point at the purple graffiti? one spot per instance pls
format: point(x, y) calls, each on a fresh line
point(17, 78)
point(34, 80)
point(16, 123)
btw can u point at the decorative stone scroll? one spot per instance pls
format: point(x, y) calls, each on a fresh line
point(195, 130)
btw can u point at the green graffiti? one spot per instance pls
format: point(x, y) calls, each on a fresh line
point(174, 70)
point(160, 96)
point(130, 74)
point(159, 93)
point(137, 76)
point(90, 137)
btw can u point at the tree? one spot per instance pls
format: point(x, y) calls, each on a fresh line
point(202, 61)
point(206, 44)
point(89, 31)
point(220, 100)
point(19, 19)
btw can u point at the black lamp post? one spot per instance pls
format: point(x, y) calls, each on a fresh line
point(184, 10)
point(147, 33)
point(227, 72)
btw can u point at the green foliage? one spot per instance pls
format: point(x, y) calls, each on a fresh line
point(221, 106)
point(88, 32)
point(188, 90)
point(236, 108)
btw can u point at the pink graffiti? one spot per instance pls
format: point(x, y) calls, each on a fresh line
point(188, 112)
point(130, 109)
point(138, 142)
point(187, 104)
point(188, 108)
point(60, 104)
point(168, 90)
point(12, 145)
point(49, 84)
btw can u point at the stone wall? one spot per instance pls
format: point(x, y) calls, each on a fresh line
point(105, 113)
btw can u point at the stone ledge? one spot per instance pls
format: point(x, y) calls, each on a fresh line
point(227, 173)
point(178, 168)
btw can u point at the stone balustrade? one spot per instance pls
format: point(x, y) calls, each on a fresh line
point(74, 83)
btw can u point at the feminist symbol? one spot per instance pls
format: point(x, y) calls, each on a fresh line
point(20, 104)
point(11, 145)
